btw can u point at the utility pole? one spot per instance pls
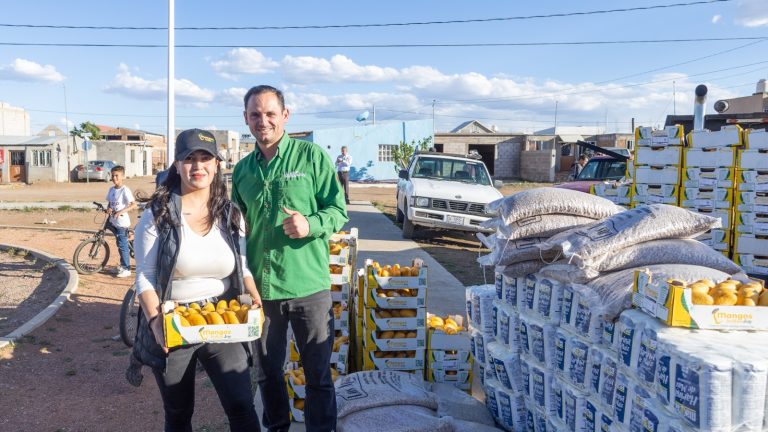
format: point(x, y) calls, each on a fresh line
point(66, 125)
point(171, 128)
point(554, 140)
point(433, 118)
point(674, 99)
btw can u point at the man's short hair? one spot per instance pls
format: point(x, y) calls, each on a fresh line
point(344, 148)
point(117, 168)
point(583, 157)
point(255, 91)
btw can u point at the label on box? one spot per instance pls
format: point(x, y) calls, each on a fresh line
point(652, 175)
point(711, 157)
point(727, 136)
point(753, 159)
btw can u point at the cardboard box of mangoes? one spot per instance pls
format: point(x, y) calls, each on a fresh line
point(704, 304)
point(447, 333)
point(396, 276)
point(393, 360)
point(225, 322)
point(392, 340)
point(395, 319)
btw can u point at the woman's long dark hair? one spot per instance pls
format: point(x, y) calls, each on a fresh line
point(217, 202)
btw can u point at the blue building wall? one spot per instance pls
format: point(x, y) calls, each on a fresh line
point(363, 143)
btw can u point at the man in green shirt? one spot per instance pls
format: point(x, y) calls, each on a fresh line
point(292, 202)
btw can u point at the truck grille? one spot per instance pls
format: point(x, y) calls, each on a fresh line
point(459, 206)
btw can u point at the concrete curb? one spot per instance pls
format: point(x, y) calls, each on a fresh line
point(69, 288)
point(51, 229)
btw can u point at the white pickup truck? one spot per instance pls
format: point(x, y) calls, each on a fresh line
point(446, 191)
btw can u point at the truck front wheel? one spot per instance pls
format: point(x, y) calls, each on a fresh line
point(408, 227)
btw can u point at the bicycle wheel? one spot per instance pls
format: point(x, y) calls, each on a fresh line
point(129, 316)
point(91, 255)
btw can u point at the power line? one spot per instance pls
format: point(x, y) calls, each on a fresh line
point(402, 24)
point(426, 45)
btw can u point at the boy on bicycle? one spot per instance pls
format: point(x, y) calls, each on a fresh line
point(121, 201)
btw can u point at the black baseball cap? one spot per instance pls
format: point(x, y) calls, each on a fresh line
point(191, 140)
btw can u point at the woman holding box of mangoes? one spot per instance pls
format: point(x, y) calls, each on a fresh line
point(190, 248)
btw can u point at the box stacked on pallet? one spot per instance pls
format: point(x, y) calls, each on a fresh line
point(658, 160)
point(618, 192)
point(394, 317)
point(710, 161)
point(343, 256)
point(751, 204)
point(449, 359)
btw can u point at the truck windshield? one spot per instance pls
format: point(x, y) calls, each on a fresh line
point(452, 169)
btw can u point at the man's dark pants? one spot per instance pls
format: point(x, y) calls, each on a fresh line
point(311, 319)
point(344, 180)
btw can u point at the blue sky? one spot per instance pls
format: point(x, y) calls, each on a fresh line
point(515, 88)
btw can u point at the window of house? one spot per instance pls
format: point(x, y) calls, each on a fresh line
point(133, 155)
point(134, 137)
point(41, 158)
point(385, 152)
point(113, 138)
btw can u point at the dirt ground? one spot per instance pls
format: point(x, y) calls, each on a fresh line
point(68, 374)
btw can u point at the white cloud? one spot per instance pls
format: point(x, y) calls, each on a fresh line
point(66, 123)
point(242, 61)
point(27, 70)
point(339, 68)
point(751, 13)
point(137, 87)
point(232, 96)
point(716, 19)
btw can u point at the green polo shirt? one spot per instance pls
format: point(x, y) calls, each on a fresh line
point(300, 177)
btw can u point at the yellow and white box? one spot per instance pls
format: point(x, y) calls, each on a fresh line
point(669, 136)
point(373, 359)
point(396, 282)
point(753, 160)
point(340, 255)
point(342, 276)
point(461, 379)
point(752, 181)
point(727, 136)
point(752, 264)
point(717, 239)
point(177, 334)
point(612, 189)
point(297, 410)
point(707, 198)
point(752, 223)
point(341, 292)
point(751, 244)
point(657, 175)
point(383, 298)
point(723, 214)
point(395, 340)
point(711, 157)
point(756, 139)
point(659, 156)
point(655, 194)
point(447, 359)
point(673, 304)
point(752, 198)
point(395, 319)
point(704, 177)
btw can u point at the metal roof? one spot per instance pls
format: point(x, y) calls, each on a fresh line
point(9, 140)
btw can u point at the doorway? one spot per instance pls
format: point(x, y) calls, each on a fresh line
point(18, 163)
point(487, 152)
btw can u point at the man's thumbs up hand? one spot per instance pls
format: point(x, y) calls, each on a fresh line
point(295, 225)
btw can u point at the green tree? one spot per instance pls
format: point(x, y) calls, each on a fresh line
point(401, 154)
point(87, 127)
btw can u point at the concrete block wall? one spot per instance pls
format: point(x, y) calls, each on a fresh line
point(538, 166)
point(507, 164)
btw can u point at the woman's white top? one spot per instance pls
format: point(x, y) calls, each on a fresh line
point(202, 268)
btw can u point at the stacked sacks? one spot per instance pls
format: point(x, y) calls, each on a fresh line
point(527, 219)
point(385, 400)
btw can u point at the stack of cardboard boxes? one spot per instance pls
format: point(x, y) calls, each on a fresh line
point(708, 181)
point(393, 319)
point(751, 204)
point(449, 355)
point(657, 163)
point(343, 259)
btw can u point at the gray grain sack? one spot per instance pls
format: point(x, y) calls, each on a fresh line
point(614, 290)
point(548, 200)
point(458, 404)
point(591, 244)
point(545, 225)
point(668, 251)
point(506, 252)
point(394, 418)
point(522, 268)
point(364, 390)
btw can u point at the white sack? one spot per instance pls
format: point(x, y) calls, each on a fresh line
point(456, 403)
point(548, 200)
point(543, 225)
point(506, 252)
point(364, 390)
point(401, 418)
point(589, 245)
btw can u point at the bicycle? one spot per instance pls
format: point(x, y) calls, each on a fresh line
point(92, 254)
point(129, 316)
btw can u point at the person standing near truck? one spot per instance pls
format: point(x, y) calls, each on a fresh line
point(292, 202)
point(343, 165)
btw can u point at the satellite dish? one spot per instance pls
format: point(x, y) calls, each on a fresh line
point(363, 116)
